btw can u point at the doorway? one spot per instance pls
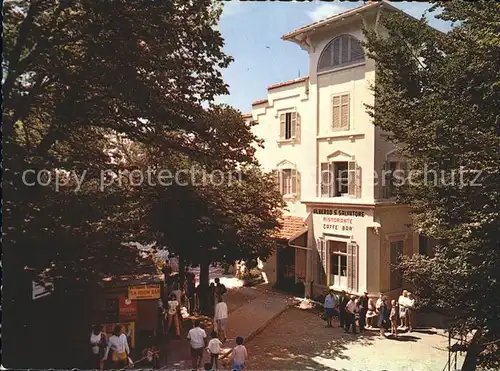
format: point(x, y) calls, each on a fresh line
point(338, 263)
point(286, 267)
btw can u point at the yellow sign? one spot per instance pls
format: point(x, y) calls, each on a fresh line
point(144, 292)
point(128, 328)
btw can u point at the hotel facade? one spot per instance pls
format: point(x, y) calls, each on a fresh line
point(342, 227)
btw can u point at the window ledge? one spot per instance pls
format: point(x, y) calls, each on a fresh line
point(281, 142)
point(339, 200)
point(341, 134)
point(290, 197)
point(341, 68)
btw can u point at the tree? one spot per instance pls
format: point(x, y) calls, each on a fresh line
point(437, 94)
point(224, 211)
point(77, 73)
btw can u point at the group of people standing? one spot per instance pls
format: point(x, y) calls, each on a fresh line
point(364, 312)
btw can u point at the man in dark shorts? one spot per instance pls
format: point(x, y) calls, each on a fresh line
point(198, 341)
point(343, 300)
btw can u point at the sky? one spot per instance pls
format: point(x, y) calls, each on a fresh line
point(252, 33)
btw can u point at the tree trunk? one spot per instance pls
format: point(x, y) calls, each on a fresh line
point(182, 269)
point(204, 273)
point(203, 287)
point(473, 350)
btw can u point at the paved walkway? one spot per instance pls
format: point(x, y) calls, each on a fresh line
point(308, 345)
point(255, 309)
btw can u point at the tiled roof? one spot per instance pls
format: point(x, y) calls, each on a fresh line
point(259, 102)
point(335, 17)
point(290, 82)
point(292, 227)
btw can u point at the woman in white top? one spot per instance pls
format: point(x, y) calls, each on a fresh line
point(118, 344)
point(98, 342)
point(403, 310)
point(173, 315)
point(221, 318)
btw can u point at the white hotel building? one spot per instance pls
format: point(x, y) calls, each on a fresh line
point(335, 235)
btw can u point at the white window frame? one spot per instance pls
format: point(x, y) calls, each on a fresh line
point(294, 125)
point(344, 100)
point(292, 190)
point(327, 175)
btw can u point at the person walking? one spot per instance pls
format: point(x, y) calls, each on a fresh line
point(383, 319)
point(173, 315)
point(118, 344)
point(198, 341)
point(98, 343)
point(330, 304)
point(220, 317)
point(350, 315)
point(240, 355)
point(213, 348)
point(342, 311)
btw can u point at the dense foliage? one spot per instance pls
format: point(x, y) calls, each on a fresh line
point(92, 88)
point(438, 94)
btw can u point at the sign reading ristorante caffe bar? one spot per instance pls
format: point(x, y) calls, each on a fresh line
point(339, 212)
point(338, 221)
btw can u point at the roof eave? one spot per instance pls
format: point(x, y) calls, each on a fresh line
point(291, 36)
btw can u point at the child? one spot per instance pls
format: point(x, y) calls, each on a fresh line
point(394, 319)
point(214, 349)
point(240, 355)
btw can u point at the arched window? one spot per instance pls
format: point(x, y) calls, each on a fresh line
point(341, 51)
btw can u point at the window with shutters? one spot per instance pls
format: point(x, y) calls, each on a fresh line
point(340, 179)
point(396, 276)
point(340, 112)
point(342, 51)
point(352, 266)
point(289, 126)
point(320, 263)
point(287, 181)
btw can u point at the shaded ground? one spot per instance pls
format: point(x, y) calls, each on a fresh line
point(298, 340)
